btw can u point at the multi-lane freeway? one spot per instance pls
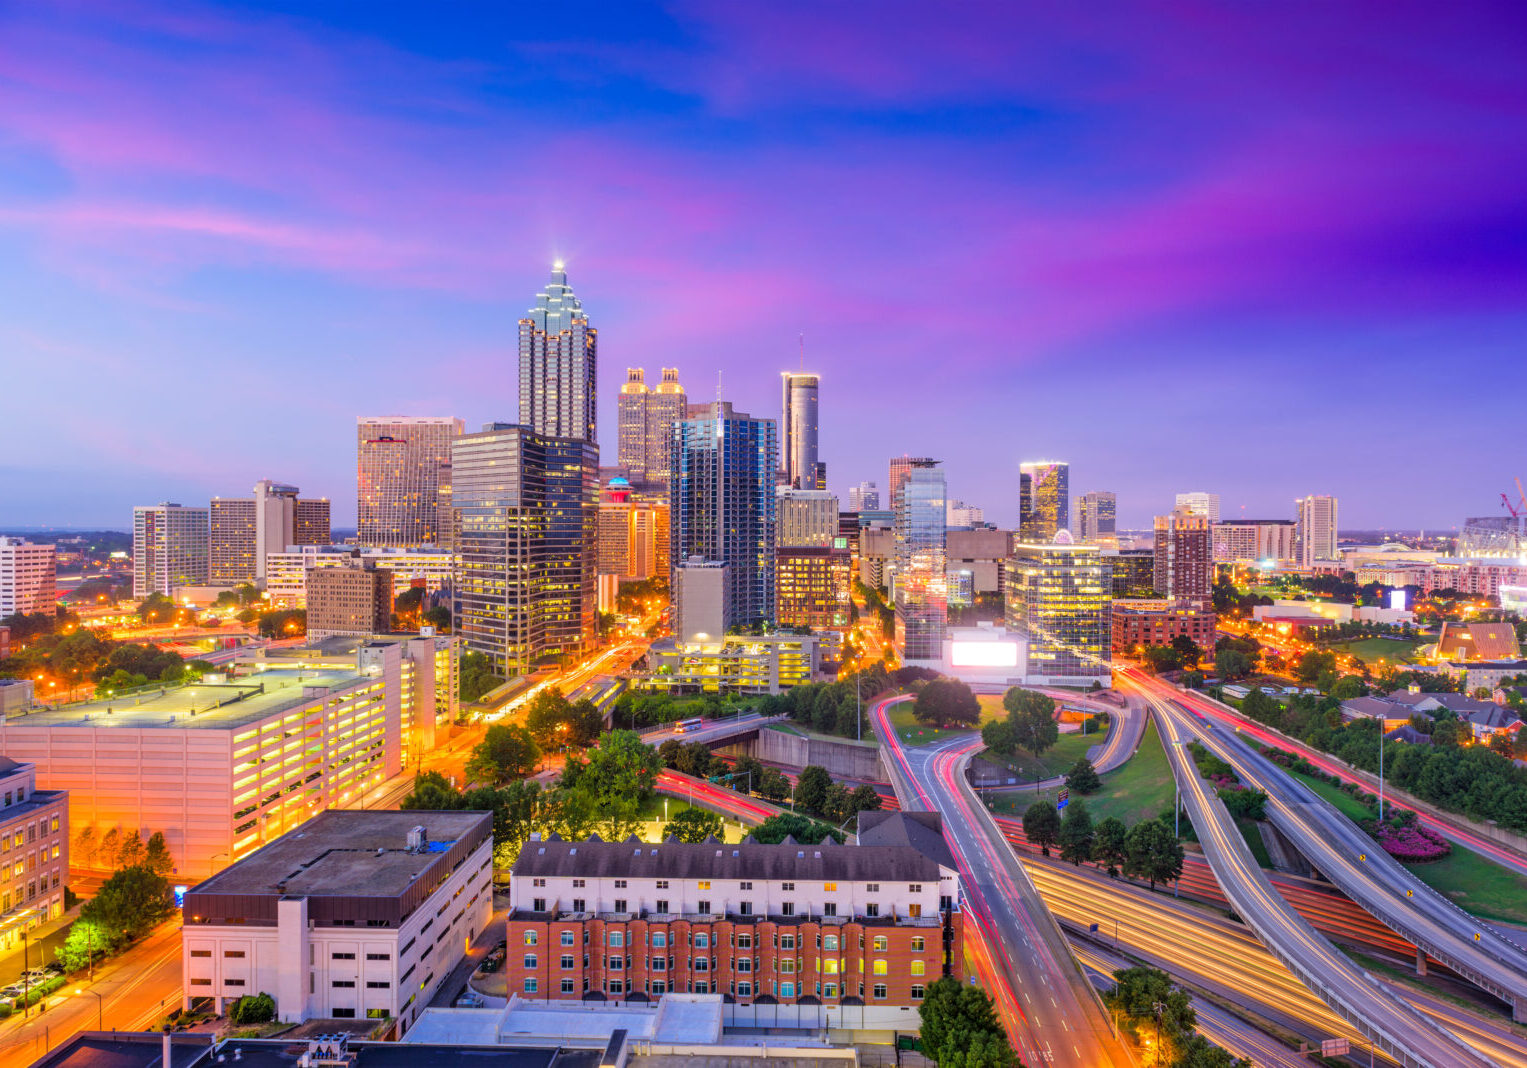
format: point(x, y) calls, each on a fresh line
point(1050, 1009)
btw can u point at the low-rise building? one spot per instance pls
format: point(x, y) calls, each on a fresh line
point(34, 852)
point(352, 915)
point(15, 697)
point(737, 663)
point(286, 572)
point(1473, 674)
point(1478, 641)
point(988, 658)
point(1141, 622)
point(1392, 714)
point(780, 925)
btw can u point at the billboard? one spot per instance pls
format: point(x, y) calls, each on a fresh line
point(984, 654)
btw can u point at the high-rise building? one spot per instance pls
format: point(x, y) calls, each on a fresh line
point(1044, 500)
point(633, 533)
point(1097, 518)
point(1184, 556)
point(631, 424)
point(243, 531)
point(1254, 540)
point(1200, 503)
point(700, 600)
point(798, 430)
point(647, 417)
point(403, 479)
point(813, 587)
point(806, 518)
point(558, 362)
point(921, 590)
point(958, 514)
point(528, 511)
point(1316, 534)
point(665, 407)
point(722, 503)
point(900, 465)
point(169, 548)
point(1134, 571)
point(1059, 593)
point(865, 497)
point(28, 573)
point(356, 599)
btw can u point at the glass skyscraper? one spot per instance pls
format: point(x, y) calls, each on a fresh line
point(1044, 500)
point(527, 510)
point(1060, 595)
point(403, 480)
point(799, 430)
point(921, 590)
point(722, 503)
point(558, 358)
point(1097, 518)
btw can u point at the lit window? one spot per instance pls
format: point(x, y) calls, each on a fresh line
point(918, 967)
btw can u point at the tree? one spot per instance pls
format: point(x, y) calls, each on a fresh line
point(432, 791)
point(621, 765)
point(506, 752)
point(999, 737)
point(1196, 1051)
point(1152, 852)
point(477, 676)
point(438, 617)
point(252, 1009)
point(694, 825)
point(960, 1027)
point(1077, 836)
point(1347, 687)
point(1083, 778)
point(111, 845)
point(1503, 743)
point(807, 831)
point(865, 798)
point(1108, 845)
point(616, 816)
point(1187, 650)
point(83, 850)
point(87, 940)
point(1159, 658)
point(1232, 664)
point(131, 901)
point(1031, 715)
point(773, 785)
point(811, 789)
point(1136, 993)
point(1041, 825)
point(944, 702)
point(1310, 665)
point(156, 857)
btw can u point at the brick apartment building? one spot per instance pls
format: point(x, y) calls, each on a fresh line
point(1156, 622)
point(868, 925)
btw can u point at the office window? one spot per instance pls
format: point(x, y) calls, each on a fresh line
point(882, 943)
point(881, 967)
point(919, 943)
point(532, 937)
point(880, 991)
point(567, 938)
point(531, 984)
point(918, 967)
point(531, 960)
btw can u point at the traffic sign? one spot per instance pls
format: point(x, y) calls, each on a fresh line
point(1335, 1047)
point(1064, 800)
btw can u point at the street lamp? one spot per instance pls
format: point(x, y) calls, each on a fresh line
point(100, 1007)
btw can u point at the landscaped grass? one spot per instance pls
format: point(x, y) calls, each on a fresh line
point(1479, 885)
point(1348, 805)
point(1056, 760)
point(1372, 650)
point(1138, 790)
point(912, 732)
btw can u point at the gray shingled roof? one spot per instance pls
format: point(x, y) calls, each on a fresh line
point(635, 859)
point(922, 831)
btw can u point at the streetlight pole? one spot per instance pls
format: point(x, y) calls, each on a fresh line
point(100, 1007)
point(1381, 771)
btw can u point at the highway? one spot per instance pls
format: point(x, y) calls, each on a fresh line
point(1395, 1026)
point(714, 730)
point(1125, 728)
point(1051, 1011)
point(1367, 874)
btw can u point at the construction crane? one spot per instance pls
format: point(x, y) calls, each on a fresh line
point(1521, 496)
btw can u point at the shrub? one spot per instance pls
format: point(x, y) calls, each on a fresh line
point(253, 1009)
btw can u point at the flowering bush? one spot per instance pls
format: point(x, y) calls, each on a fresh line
point(1412, 844)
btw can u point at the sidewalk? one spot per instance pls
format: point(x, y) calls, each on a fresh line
point(454, 984)
point(47, 936)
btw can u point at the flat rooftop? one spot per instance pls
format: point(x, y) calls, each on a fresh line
point(205, 706)
point(334, 854)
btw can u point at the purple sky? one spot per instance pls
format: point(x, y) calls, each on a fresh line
point(1255, 249)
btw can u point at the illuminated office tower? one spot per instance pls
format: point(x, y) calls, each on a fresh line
point(921, 591)
point(243, 531)
point(647, 417)
point(1200, 503)
point(631, 419)
point(900, 465)
point(1044, 502)
point(169, 548)
point(798, 430)
point(806, 518)
point(558, 356)
point(527, 508)
point(665, 407)
point(865, 497)
point(1059, 593)
point(403, 479)
point(633, 533)
point(1184, 556)
point(1315, 536)
point(722, 503)
point(1097, 518)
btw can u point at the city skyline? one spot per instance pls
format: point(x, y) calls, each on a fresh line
point(1278, 241)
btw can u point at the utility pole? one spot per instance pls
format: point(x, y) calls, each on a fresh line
point(1381, 771)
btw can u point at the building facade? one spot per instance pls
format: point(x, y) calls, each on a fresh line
point(353, 915)
point(1140, 622)
point(813, 587)
point(244, 531)
point(806, 518)
point(403, 480)
point(528, 509)
point(170, 547)
point(864, 497)
point(1059, 595)
point(1249, 541)
point(1134, 571)
point(1315, 536)
point(780, 924)
point(558, 364)
point(28, 577)
point(700, 600)
point(722, 505)
point(1199, 502)
point(735, 663)
point(1097, 518)
point(900, 466)
point(647, 417)
point(798, 431)
point(34, 852)
point(1044, 500)
point(286, 572)
point(356, 599)
point(982, 553)
point(959, 515)
point(632, 538)
point(920, 588)
point(1184, 556)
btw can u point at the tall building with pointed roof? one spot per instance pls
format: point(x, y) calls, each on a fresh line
point(558, 364)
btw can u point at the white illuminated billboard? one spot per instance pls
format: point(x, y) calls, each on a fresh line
point(984, 654)
point(1397, 600)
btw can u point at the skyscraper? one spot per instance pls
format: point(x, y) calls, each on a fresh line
point(1044, 501)
point(403, 479)
point(865, 497)
point(1097, 517)
point(1200, 503)
point(722, 503)
point(633, 533)
point(921, 590)
point(1184, 564)
point(243, 531)
point(169, 548)
point(806, 518)
point(527, 507)
point(1060, 594)
point(28, 573)
point(1315, 535)
point(798, 430)
point(631, 419)
point(647, 417)
point(900, 465)
point(558, 356)
point(665, 407)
